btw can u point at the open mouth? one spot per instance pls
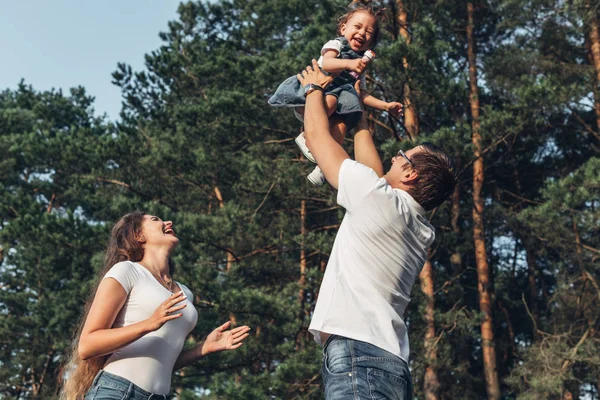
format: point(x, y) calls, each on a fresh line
point(169, 231)
point(358, 41)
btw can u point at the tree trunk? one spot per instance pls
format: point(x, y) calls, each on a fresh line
point(533, 291)
point(594, 37)
point(230, 258)
point(509, 351)
point(302, 281)
point(431, 383)
point(456, 257)
point(483, 273)
point(411, 120)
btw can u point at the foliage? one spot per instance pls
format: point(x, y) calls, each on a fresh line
point(196, 143)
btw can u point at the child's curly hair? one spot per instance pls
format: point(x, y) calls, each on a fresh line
point(363, 6)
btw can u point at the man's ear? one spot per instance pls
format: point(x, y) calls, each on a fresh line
point(409, 176)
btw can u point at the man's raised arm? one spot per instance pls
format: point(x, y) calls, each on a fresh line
point(364, 148)
point(328, 153)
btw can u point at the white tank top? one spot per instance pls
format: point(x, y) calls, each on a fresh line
point(148, 362)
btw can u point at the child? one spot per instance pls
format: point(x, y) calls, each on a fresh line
point(359, 30)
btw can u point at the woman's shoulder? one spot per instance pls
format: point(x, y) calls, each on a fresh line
point(127, 264)
point(126, 273)
point(124, 268)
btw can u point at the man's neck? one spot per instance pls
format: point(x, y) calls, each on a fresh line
point(396, 183)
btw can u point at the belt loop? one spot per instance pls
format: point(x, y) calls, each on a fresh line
point(329, 340)
point(350, 343)
point(129, 390)
point(98, 375)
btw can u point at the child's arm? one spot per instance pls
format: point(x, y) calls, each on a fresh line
point(332, 64)
point(392, 107)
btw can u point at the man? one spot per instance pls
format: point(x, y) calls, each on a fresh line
point(378, 253)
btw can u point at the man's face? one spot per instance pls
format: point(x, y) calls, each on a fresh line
point(403, 160)
point(401, 172)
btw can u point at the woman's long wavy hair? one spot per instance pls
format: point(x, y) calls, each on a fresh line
point(124, 245)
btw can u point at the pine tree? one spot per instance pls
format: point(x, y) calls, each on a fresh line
point(51, 142)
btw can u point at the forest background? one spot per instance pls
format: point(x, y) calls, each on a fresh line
point(507, 305)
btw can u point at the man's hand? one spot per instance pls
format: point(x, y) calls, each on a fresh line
point(328, 153)
point(314, 75)
point(395, 109)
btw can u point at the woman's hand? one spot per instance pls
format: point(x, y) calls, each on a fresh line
point(221, 339)
point(314, 75)
point(394, 108)
point(167, 311)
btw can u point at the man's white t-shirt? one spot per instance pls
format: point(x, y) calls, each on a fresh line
point(377, 254)
point(148, 362)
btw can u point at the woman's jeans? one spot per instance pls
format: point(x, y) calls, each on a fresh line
point(358, 370)
point(107, 386)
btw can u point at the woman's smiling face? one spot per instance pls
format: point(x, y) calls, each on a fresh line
point(158, 232)
point(359, 30)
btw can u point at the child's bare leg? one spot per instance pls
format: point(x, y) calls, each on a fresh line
point(330, 104)
point(330, 107)
point(337, 127)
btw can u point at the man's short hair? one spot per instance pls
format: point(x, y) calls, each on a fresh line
point(437, 176)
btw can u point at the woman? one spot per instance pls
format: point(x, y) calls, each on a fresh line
point(135, 324)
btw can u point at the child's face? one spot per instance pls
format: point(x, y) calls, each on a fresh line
point(358, 30)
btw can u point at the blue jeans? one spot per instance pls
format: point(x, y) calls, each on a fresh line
point(357, 370)
point(107, 386)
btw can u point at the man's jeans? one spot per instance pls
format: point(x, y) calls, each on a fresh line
point(357, 370)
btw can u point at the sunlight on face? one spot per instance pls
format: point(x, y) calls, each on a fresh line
point(359, 30)
point(157, 232)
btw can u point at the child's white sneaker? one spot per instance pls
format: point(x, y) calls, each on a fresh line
point(316, 177)
point(301, 142)
point(299, 116)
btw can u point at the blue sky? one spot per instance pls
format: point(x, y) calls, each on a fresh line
point(62, 44)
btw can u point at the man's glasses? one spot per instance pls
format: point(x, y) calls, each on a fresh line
point(403, 155)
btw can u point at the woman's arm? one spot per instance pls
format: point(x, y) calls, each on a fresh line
point(98, 338)
point(219, 339)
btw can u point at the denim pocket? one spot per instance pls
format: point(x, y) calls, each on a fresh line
point(385, 385)
point(337, 363)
